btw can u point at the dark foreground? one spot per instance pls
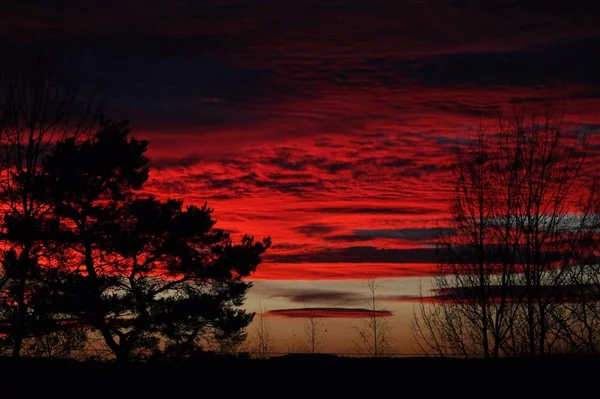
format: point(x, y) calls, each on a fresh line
point(310, 376)
point(218, 363)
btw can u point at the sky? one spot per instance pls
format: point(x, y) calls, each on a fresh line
point(326, 125)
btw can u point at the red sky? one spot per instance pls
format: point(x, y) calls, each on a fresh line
point(326, 125)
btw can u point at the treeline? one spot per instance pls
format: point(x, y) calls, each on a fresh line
point(87, 258)
point(518, 271)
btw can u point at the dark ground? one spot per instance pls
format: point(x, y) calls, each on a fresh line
point(308, 362)
point(304, 376)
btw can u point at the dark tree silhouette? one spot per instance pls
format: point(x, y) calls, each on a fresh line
point(140, 271)
point(184, 277)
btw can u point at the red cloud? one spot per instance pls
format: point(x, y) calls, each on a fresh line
point(339, 271)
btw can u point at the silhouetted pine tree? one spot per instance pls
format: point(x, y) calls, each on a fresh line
point(140, 271)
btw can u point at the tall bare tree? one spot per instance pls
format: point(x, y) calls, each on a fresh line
point(374, 336)
point(315, 332)
point(262, 340)
point(521, 222)
point(578, 319)
point(292, 345)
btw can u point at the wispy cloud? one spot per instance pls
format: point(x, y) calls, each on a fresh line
point(315, 229)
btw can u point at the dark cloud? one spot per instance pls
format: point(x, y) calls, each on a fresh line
point(326, 142)
point(401, 298)
point(360, 254)
point(297, 161)
point(396, 162)
point(349, 238)
point(589, 128)
point(188, 63)
point(222, 183)
point(308, 296)
point(335, 167)
point(518, 293)
point(170, 188)
point(285, 163)
point(289, 176)
point(150, 78)
point(571, 62)
point(298, 188)
point(184, 162)
point(183, 89)
point(451, 140)
point(461, 254)
point(399, 210)
point(288, 246)
point(315, 229)
point(495, 293)
point(240, 179)
point(349, 313)
point(407, 234)
point(414, 234)
point(171, 92)
point(473, 110)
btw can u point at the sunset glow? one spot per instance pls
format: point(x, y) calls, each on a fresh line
point(326, 125)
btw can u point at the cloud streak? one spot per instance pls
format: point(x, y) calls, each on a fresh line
point(337, 313)
point(310, 296)
point(360, 254)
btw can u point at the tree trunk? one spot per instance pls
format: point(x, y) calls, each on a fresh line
point(542, 330)
point(531, 328)
point(121, 351)
point(484, 317)
point(123, 354)
point(19, 324)
point(20, 321)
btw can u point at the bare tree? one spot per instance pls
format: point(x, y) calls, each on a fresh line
point(230, 343)
point(521, 222)
point(578, 319)
point(57, 344)
point(439, 328)
point(374, 335)
point(262, 334)
point(466, 327)
point(315, 332)
point(292, 345)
